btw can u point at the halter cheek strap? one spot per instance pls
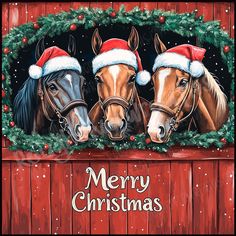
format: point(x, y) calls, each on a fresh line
point(174, 120)
point(43, 94)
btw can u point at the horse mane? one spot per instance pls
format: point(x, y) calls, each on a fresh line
point(214, 87)
point(25, 105)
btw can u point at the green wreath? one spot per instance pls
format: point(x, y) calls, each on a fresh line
point(186, 25)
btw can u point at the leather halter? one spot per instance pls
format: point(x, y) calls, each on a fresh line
point(117, 100)
point(44, 96)
point(174, 120)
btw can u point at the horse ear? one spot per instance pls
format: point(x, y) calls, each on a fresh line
point(133, 40)
point(96, 42)
point(39, 48)
point(159, 45)
point(72, 45)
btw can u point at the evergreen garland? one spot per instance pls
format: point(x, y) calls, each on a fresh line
point(186, 25)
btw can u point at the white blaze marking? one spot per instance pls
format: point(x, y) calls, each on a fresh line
point(155, 119)
point(114, 71)
point(69, 78)
point(153, 122)
point(162, 76)
point(82, 122)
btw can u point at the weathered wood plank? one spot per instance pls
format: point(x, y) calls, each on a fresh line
point(99, 219)
point(159, 172)
point(222, 13)
point(205, 176)
point(180, 154)
point(137, 220)
point(206, 10)
point(6, 198)
point(17, 14)
point(118, 169)
point(181, 198)
point(41, 202)
point(21, 198)
point(5, 21)
point(61, 193)
point(35, 10)
point(81, 220)
point(226, 198)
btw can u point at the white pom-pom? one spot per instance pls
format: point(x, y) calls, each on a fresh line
point(196, 69)
point(35, 72)
point(143, 77)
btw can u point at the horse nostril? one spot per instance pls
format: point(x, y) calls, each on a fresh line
point(78, 131)
point(161, 131)
point(123, 124)
point(107, 125)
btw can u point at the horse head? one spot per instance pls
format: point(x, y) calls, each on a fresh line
point(115, 68)
point(176, 89)
point(53, 93)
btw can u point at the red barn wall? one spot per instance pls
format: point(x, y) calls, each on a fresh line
point(197, 193)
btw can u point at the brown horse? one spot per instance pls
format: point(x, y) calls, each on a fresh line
point(179, 96)
point(120, 111)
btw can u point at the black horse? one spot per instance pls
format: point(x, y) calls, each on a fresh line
point(53, 103)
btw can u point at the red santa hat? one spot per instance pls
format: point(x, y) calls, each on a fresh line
point(53, 59)
point(185, 57)
point(116, 51)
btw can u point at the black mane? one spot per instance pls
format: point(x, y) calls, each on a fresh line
point(25, 103)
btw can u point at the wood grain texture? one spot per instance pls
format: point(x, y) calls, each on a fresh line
point(183, 7)
point(148, 5)
point(205, 176)
point(81, 220)
point(167, 6)
point(17, 14)
point(99, 219)
point(5, 21)
point(181, 198)
point(159, 172)
point(232, 19)
point(180, 154)
point(6, 198)
point(222, 12)
point(76, 5)
point(128, 5)
point(61, 195)
point(137, 220)
point(21, 198)
point(56, 7)
point(226, 198)
point(206, 10)
point(118, 169)
point(35, 10)
point(41, 202)
point(104, 5)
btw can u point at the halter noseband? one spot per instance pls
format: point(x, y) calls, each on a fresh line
point(117, 100)
point(42, 92)
point(174, 120)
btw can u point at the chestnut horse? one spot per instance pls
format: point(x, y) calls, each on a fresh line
point(179, 96)
point(55, 102)
point(120, 112)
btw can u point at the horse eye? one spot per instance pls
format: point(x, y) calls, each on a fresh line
point(98, 79)
point(52, 87)
point(132, 78)
point(183, 83)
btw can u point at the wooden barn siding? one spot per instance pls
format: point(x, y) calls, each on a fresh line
point(40, 211)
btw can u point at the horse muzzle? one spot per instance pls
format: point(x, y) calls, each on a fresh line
point(116, 130)
point(82, 133)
